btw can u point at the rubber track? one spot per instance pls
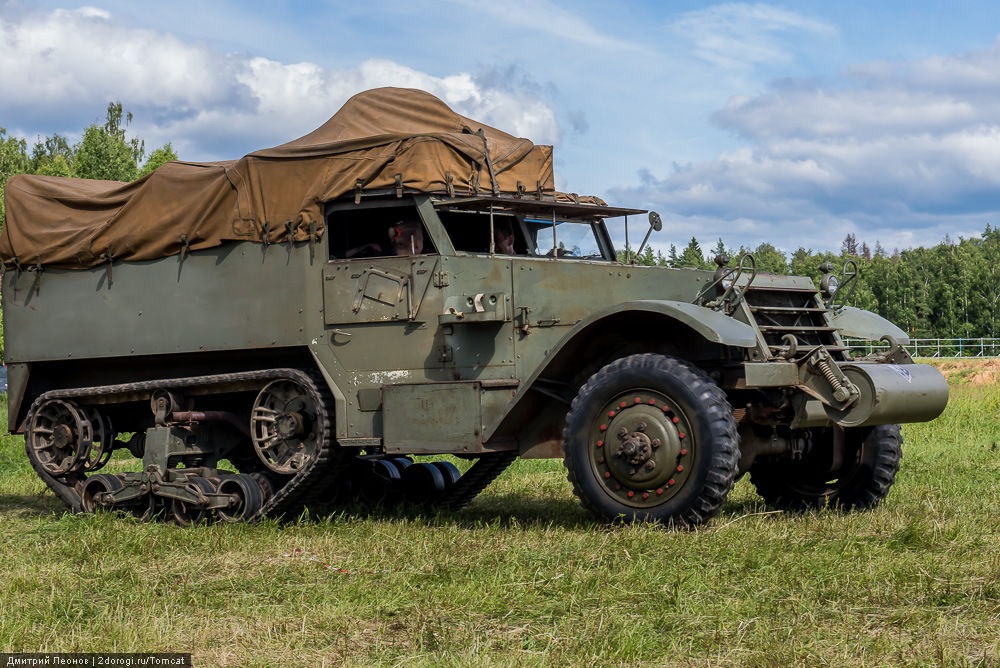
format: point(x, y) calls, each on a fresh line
point(289, 498)
point(476, 479)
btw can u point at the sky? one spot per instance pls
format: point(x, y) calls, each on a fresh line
point(791, 123)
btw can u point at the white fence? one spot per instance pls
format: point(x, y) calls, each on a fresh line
point(982, 347)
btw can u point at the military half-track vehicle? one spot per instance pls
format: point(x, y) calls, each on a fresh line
point(331, 317)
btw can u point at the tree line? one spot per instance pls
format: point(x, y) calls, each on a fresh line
point(951, 290)
point(103, 152)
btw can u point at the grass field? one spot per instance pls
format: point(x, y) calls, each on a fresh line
point(524, 578)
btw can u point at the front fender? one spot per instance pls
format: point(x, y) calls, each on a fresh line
point(562, 362)
point(856, 323)
point(713, 326)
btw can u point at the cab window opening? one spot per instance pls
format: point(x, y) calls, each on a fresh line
point(573, 239)
point(377, 232)
point(470, 232)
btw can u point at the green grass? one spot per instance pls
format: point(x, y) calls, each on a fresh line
point(524, 578)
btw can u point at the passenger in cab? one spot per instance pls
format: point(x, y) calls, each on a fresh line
point(405, 237)
point(503, 238)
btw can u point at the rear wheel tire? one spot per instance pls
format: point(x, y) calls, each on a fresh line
point(651, 438)
point(871, 461)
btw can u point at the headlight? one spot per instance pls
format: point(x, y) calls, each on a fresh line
point(723, 277)
point(829, 285)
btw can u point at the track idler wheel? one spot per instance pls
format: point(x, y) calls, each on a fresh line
point(59, 437)
point(247, 497)
point(450, 473)
point(103, 441)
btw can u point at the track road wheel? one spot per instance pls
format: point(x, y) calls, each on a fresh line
point(287, 425)
point(651, 438)
point(91, 498)
point(377, 480)
point(871, 461)
point(187, 515)
point(246, 494)
point(423, 484)
point(449, 472)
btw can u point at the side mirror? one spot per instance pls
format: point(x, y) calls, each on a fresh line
point(655, 223)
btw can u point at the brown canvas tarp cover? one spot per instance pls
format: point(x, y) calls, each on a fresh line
point(75, 223)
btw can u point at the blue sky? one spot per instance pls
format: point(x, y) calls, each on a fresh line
point(791, 123)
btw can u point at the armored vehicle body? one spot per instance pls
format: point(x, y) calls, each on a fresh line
point(330, 318)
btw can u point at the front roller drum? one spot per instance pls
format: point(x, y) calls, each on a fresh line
point(651, 438)
point(103, 441)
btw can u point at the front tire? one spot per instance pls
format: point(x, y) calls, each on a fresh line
point(651, 438)
point(871, 461)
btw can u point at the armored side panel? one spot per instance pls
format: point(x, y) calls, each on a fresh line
point(237, 297)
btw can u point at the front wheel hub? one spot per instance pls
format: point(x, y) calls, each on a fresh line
point(640, 448)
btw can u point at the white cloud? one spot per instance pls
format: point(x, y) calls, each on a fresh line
point(894, 152)
point(67, 65)
point(85, 56)
point(738, 35)
point(546, 17)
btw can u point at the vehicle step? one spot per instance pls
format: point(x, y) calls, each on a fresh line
point(787, 309)
point(796, 328)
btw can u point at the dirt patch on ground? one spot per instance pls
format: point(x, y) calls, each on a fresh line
point(979, 371)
